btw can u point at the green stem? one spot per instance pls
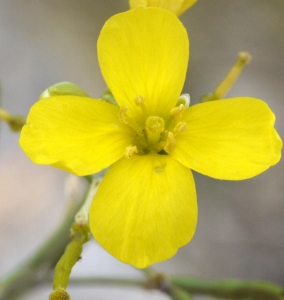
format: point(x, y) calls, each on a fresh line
point(179, 294)
point(5, 115)
point(150, 272)
point(73, 251)
point(79, 234)
point(230, 289)
point(41, 262)
point(176, 293)
point(123, 282)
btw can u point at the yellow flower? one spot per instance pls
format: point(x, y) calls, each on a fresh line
point(175, 6)
point(145, 207)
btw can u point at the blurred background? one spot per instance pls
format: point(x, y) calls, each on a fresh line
point(240, 232)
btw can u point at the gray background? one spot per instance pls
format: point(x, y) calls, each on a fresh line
point(241, 229)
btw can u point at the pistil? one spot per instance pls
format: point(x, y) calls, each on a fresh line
point(154, 127)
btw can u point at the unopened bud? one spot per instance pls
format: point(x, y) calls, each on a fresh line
point(60, 294)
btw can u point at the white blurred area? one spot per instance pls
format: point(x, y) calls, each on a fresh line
point(240, 232)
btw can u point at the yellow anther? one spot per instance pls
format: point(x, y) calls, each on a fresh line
point(130, 150)
point(122, 115)
point(139, 100)
point(180, 127)
point(125, 119)
point(177, 111)
point(171, 143)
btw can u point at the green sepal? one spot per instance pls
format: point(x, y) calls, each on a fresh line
point(108, 97)
point(63, 89)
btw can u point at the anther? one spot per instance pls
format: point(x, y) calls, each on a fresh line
point(171, 143)
point(122, 114)
point(139, 100)
point(177, 111)
point(180, 127)
point(130, 150)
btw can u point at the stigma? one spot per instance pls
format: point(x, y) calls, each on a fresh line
point(154, 127)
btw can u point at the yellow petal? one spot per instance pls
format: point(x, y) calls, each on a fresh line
point(145, 209)
point(175, 6)
point(230, 139)
point(170, 5)
point(77, 134)
point(185, 5)
point(144, 53)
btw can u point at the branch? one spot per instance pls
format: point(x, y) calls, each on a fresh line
point(41, 262)
point(230, 288)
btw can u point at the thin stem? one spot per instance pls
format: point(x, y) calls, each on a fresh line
point(82, 216)
point(79, 235)
point(14, 121)
point(150, 272)
point(5, 115)
point(124, 282)
point(230, 288)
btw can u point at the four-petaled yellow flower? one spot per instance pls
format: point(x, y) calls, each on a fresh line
point(145, 207)
point(175, 6)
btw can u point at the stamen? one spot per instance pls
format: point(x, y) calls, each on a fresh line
point(139, 100)
point(122, 114)
point(130, 150)
point(125, 119)
point(154, 127)
point(177, 111)
point(180, 127)
point(171, 143)
point(184, 99)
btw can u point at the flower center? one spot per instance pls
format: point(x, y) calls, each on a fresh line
point(157, 134)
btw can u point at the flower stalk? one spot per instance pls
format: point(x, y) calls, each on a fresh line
point(79, 235)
